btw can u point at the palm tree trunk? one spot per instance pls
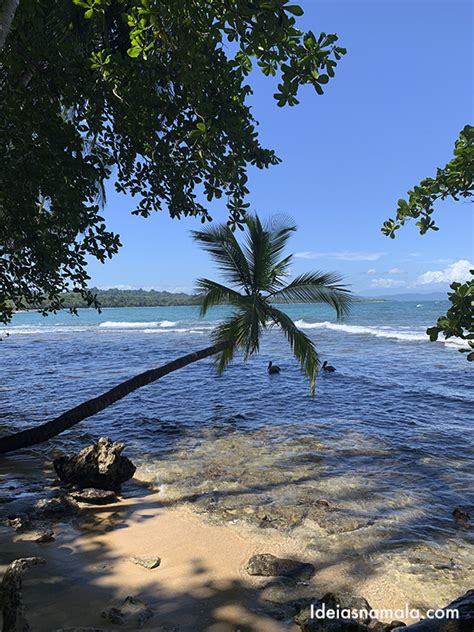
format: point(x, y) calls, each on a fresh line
point(7, 13)
point(45, 431)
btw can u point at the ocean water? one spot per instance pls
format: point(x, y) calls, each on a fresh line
point(369, 471)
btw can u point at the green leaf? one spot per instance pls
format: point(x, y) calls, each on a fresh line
point(134, 51)
point(294, 9)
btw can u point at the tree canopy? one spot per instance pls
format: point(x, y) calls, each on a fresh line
point(152, 95)
point(454, 180)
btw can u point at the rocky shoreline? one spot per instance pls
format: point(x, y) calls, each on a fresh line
point(93, 479)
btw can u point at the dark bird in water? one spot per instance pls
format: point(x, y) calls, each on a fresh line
point(273, 369)
point(328, 367)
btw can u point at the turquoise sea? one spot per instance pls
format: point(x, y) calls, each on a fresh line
point(388, 440)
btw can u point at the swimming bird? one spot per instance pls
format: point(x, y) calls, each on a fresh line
point(327, 367)
point(273, 369)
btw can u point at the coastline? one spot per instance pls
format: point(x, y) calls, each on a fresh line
point(200, 584)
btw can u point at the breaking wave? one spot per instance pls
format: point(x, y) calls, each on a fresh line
point(400, 333)
point(378, 332)
point(112, 324)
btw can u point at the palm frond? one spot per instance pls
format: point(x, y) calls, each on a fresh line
point(264, 246)
point(256, 318)
point(244, 328)
point(213, 293)
point(233, 330)
point(317, 287)
point(257, 252)
point(279, 229)
point(280, 272)
point(221, 244)
point(302, 347)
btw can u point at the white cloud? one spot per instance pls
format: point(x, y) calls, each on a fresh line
point(371, 271)
point(118, 287)
point(384, 283)
point(457, 271)
point(344, 255)
point(395, 271)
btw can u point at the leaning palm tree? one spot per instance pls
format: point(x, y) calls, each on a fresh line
point(257, 271)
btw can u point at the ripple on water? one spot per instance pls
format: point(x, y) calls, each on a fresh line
point(368, 472)
point(350, 504)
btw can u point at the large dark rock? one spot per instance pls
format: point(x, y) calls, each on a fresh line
point(465, 622)
point(101, 466)
point(347, 601)
point(337, 602)
point(270, 566)
point(11, 602)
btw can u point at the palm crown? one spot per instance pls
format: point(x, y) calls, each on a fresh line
point(257, 270)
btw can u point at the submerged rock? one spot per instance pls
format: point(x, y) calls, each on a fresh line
point(268, 565)
point(146, 562)
point(281, 517)
point(101, 466)
point(133, 613)
point(11, 597)
point(461, 517)
point(93, 496)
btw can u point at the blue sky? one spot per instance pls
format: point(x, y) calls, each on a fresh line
point(388, 119)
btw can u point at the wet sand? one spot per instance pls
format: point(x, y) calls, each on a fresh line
point(201, 583)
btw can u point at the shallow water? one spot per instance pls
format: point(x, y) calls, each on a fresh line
point(368, 472)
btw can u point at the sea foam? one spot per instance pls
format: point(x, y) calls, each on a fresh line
point(378, 332)
point(117, 324)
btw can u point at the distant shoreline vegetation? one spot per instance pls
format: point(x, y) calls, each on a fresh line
point(115, 297)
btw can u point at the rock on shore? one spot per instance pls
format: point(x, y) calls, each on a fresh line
point(268, 565)
point(100, 466)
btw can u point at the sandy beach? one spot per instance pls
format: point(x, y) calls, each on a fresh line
point(200, 584)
